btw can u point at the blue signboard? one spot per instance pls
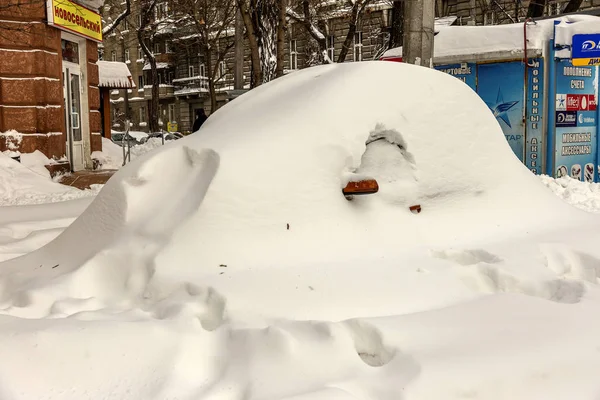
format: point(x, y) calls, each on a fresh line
point(585, 49)
point(534, 115)
point(501, 86)
point(575, 121)
point(464, 71)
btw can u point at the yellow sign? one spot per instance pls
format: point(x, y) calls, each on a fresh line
point(587, 62)
point(171, 126)
point(75, 18)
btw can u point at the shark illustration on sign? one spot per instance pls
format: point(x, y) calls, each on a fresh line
point(501, 108)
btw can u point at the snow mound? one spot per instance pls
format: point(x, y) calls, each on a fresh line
point(583, 195)
point(101, 266)
point(449, 158)
point(20, 185)
point(452, 160)
point(111, 156)
point(229, 264)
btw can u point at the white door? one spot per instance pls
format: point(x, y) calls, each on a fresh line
point(72, 95)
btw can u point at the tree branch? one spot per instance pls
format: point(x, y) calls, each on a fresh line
point(113, 25)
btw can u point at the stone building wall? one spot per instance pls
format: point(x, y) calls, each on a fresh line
point(31, 95)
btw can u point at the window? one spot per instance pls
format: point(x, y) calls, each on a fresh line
point(113, 55)
point(171, 112)
point(141, 82)
point(156, 48)
point(168, 47)
point(293, 54)
point(192, 71)
point(168, 77)
point(127, 59)
point(488, 18)
point(161, 11)
point(222, 69)
point(140, 53)
point(142, 114)
point(331, 47)
point(203, 80)
point(125, 25)
point(358, 46)
point(70, 51)
point(139, 20)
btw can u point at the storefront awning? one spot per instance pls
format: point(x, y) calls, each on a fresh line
point(114, 75)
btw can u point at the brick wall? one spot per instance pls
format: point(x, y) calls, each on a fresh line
point(31, 96)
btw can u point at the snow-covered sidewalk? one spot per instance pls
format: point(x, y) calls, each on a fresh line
point(585, 196)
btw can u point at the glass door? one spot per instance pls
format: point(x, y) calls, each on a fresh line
point(72, 93)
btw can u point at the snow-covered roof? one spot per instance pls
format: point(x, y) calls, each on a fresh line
point(498, 41)
point(114, 74)
point(565, 31)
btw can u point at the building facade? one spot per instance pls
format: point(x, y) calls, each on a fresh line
point(49, 97)
point(183, 70)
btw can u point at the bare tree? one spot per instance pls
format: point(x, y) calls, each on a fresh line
point(208, 25)
point(396, 25)
point(356, 11)
point(145, 35)
point(281, 29)
point(111, 25)
point(313, 15)
point(262, 21)
point(310, 19)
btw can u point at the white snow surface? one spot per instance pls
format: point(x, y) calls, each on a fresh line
point(509, 38)
point(29, 182)
point(111, 156)
point(228, 264)
point(583, 195)
point(565, 31)
point(114, 74)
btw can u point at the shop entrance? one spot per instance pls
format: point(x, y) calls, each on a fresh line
point(72, 93)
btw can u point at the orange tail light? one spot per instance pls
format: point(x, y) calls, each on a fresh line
point(367, 186)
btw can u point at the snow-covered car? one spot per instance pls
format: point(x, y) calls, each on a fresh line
point(165, 135)
point(132, 139)
point(232, 264)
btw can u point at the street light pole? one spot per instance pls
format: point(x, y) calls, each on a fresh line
point(418, 24)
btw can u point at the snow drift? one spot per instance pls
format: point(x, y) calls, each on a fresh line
point(209, 261)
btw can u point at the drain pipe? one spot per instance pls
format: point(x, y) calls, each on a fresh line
point(525, 83)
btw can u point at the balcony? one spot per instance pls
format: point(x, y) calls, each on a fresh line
point(164, 91)
point(195, 85)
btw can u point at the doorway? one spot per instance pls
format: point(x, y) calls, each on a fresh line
point(74, 97)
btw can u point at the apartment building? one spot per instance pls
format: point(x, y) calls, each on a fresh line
point(184, 72)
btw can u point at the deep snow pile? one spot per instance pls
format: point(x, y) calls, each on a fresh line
point(29, 182)
point(583, 195)
point(26, 228)
point(111, 156)
point(229, 265)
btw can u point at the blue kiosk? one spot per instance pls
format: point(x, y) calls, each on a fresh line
point(540, 79)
